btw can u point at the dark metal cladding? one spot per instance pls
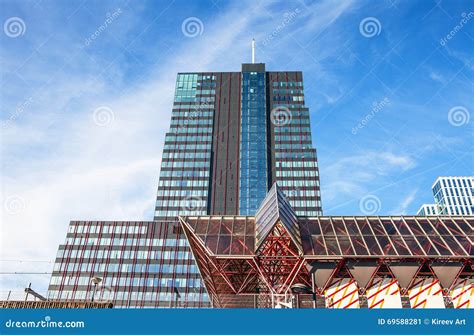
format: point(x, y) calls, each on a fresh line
point(225, 172)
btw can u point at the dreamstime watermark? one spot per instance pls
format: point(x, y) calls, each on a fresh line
point(280, 116)
point(103, 116)
point(295, 192)
point(46, 323)
point(14, 204)
point(196, 112)
point(193, 204)
point(288, 18)
point(14, 27)
point(192, 27)
point(459, 116)
point(457, 28)
point(376, 107)
point(18, 111)
point(370, 27)
point(370, 204)
point(110, 17)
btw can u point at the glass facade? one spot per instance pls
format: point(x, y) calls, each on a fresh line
point(183, 187)
point(295, 166)
point(186, 160)
point(141, 264)
point(253, 143)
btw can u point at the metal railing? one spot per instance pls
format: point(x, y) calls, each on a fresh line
point(53, 304)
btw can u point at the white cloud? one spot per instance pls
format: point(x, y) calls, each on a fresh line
point(404, 204)
point(437, 77)
point(399, 161)
point(349, 175)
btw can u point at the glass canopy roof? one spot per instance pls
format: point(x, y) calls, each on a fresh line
point(347, 236)
point(387, 236)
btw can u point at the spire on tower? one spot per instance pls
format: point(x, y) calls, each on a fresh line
point(253, 50)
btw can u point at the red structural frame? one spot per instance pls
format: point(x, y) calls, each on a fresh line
point(277, 264)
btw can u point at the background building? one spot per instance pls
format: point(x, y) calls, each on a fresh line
point(428, 209)
point(453, 196)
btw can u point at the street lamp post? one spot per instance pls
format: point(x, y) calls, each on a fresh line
point(95, 281)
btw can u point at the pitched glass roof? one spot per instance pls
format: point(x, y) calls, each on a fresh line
point(276, 208)
point(387, 236)
point(327, 236)
point(225, 235)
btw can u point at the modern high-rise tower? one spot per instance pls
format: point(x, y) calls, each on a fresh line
point(232, 136)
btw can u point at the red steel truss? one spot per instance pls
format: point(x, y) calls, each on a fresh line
point(279, 262)
point(251, 279)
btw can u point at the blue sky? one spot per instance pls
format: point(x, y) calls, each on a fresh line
point(83, 119)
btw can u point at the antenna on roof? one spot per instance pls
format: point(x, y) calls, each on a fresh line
point(253, 50)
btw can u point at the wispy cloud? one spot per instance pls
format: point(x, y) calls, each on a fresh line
point(407, 200)
point(351, 175)
point(437, 77)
